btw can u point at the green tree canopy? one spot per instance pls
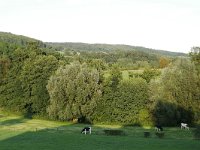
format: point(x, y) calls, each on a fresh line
point(74, 91)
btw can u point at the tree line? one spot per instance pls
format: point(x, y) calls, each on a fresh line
point(37, 81)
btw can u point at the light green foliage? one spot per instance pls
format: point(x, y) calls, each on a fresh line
point(74, 91)
point(195, 56)
point(149, 74)
point(145, 118)
point(180, 83)
point(98, 64)
point(115, 76)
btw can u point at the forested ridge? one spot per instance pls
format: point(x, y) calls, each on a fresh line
point(66, 46)
point(98, 83)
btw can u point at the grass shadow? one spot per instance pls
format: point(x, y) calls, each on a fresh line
point(12, 122)
point(62, 135)
point(70, 137)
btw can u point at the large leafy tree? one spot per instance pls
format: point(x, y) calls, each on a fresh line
point(177, 87)
point(74, 91)
point(195, 56)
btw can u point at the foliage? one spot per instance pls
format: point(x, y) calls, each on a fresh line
point(163, 62)
point(147, 134)
point(27, 69)
point(149, 74)
point(18, 40)
point(160, 134)
point(197, 132)
point(108, 47)
point(114, 132)
point(123, 103)
point(165, 111)
point(74, 91)
point(103, 86)
point(178, 87)
point(33, 79)
point(195, 56)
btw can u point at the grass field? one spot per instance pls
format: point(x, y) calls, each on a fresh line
point(17, 133)
point(125, 73)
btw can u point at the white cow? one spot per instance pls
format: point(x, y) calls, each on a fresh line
point(184, 126)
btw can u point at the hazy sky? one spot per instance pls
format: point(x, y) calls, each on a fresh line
point(162, 24)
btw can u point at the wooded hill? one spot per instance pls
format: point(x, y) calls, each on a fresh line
point(14, 39)
point(89, 86)
point(109, 48)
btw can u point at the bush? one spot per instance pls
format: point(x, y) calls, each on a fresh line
point(160, 134)
point(147, 134)
point(114, 132)
point(197, 132)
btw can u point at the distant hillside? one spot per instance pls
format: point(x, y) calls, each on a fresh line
point(17, 39)
point(109, 47)
point(23, 40)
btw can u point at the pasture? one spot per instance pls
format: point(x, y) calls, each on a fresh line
point(18, 133)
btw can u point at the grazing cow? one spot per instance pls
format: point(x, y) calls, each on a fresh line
point(158, 128)
point(87, 129)
point(184, 126)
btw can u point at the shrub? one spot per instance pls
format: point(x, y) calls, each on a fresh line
point(147, 134)
point(114, 132)
point(160, 134)
point(197, 132)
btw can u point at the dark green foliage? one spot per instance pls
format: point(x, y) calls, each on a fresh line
point(24, 77)
point(147, 134)
point(114, 132)
point(34, 76)
point(160, 134)
point(197, 132)
point(178, 89)
point(18, 40)
point(93, 89)
point(169, 114)
point(124, 103)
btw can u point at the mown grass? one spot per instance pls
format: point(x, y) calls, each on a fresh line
point(18, 133)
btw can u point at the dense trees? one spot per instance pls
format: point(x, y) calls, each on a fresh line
point(123, 101)
point(25, 71)
point(33, 78)
point(91, 85)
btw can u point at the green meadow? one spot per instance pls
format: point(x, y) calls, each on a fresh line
point(18, 133)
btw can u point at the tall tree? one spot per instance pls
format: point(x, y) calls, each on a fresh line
point(195, 56)
point(74, 91)
point(178, 86)
point(34, 77)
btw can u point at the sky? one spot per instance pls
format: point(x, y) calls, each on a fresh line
point(172, 25)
